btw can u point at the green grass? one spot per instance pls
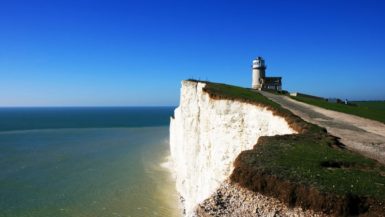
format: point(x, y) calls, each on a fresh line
point(238, 93)
point(372, 105)
point(374, 110)
point(307, 157)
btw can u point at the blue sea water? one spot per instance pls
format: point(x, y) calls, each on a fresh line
point(85, 162)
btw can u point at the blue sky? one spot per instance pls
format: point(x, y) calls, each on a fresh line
point(87, 53)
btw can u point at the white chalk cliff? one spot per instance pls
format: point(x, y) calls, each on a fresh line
point(206, 135)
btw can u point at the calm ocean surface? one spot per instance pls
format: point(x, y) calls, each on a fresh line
point(85, 162)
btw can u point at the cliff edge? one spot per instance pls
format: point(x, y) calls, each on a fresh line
point(206, 135)
point(236, 153)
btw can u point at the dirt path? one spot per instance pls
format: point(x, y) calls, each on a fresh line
point(358, 134)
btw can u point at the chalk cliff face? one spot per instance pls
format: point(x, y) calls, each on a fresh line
point(206, 135)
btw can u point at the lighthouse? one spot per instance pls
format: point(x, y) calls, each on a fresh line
point(259, 68)
point(260, 81)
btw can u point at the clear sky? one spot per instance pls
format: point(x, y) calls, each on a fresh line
point(87, 53)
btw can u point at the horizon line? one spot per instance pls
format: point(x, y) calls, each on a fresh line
point(83, 106)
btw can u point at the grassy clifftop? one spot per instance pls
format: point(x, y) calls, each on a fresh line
point(310, 169)
point(372, 110)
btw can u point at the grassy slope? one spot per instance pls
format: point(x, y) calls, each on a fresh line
point(370, 110)
point(312, 161)
point(312, 158)
point(373, 105)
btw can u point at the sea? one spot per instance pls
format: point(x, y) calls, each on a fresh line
point(86, 162)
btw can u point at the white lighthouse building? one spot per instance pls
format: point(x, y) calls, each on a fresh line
point(260, 81)
point(259, 68)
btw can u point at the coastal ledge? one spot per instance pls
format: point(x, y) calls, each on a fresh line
point(306, 172)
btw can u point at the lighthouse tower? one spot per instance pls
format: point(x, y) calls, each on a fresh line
point(259, 68)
